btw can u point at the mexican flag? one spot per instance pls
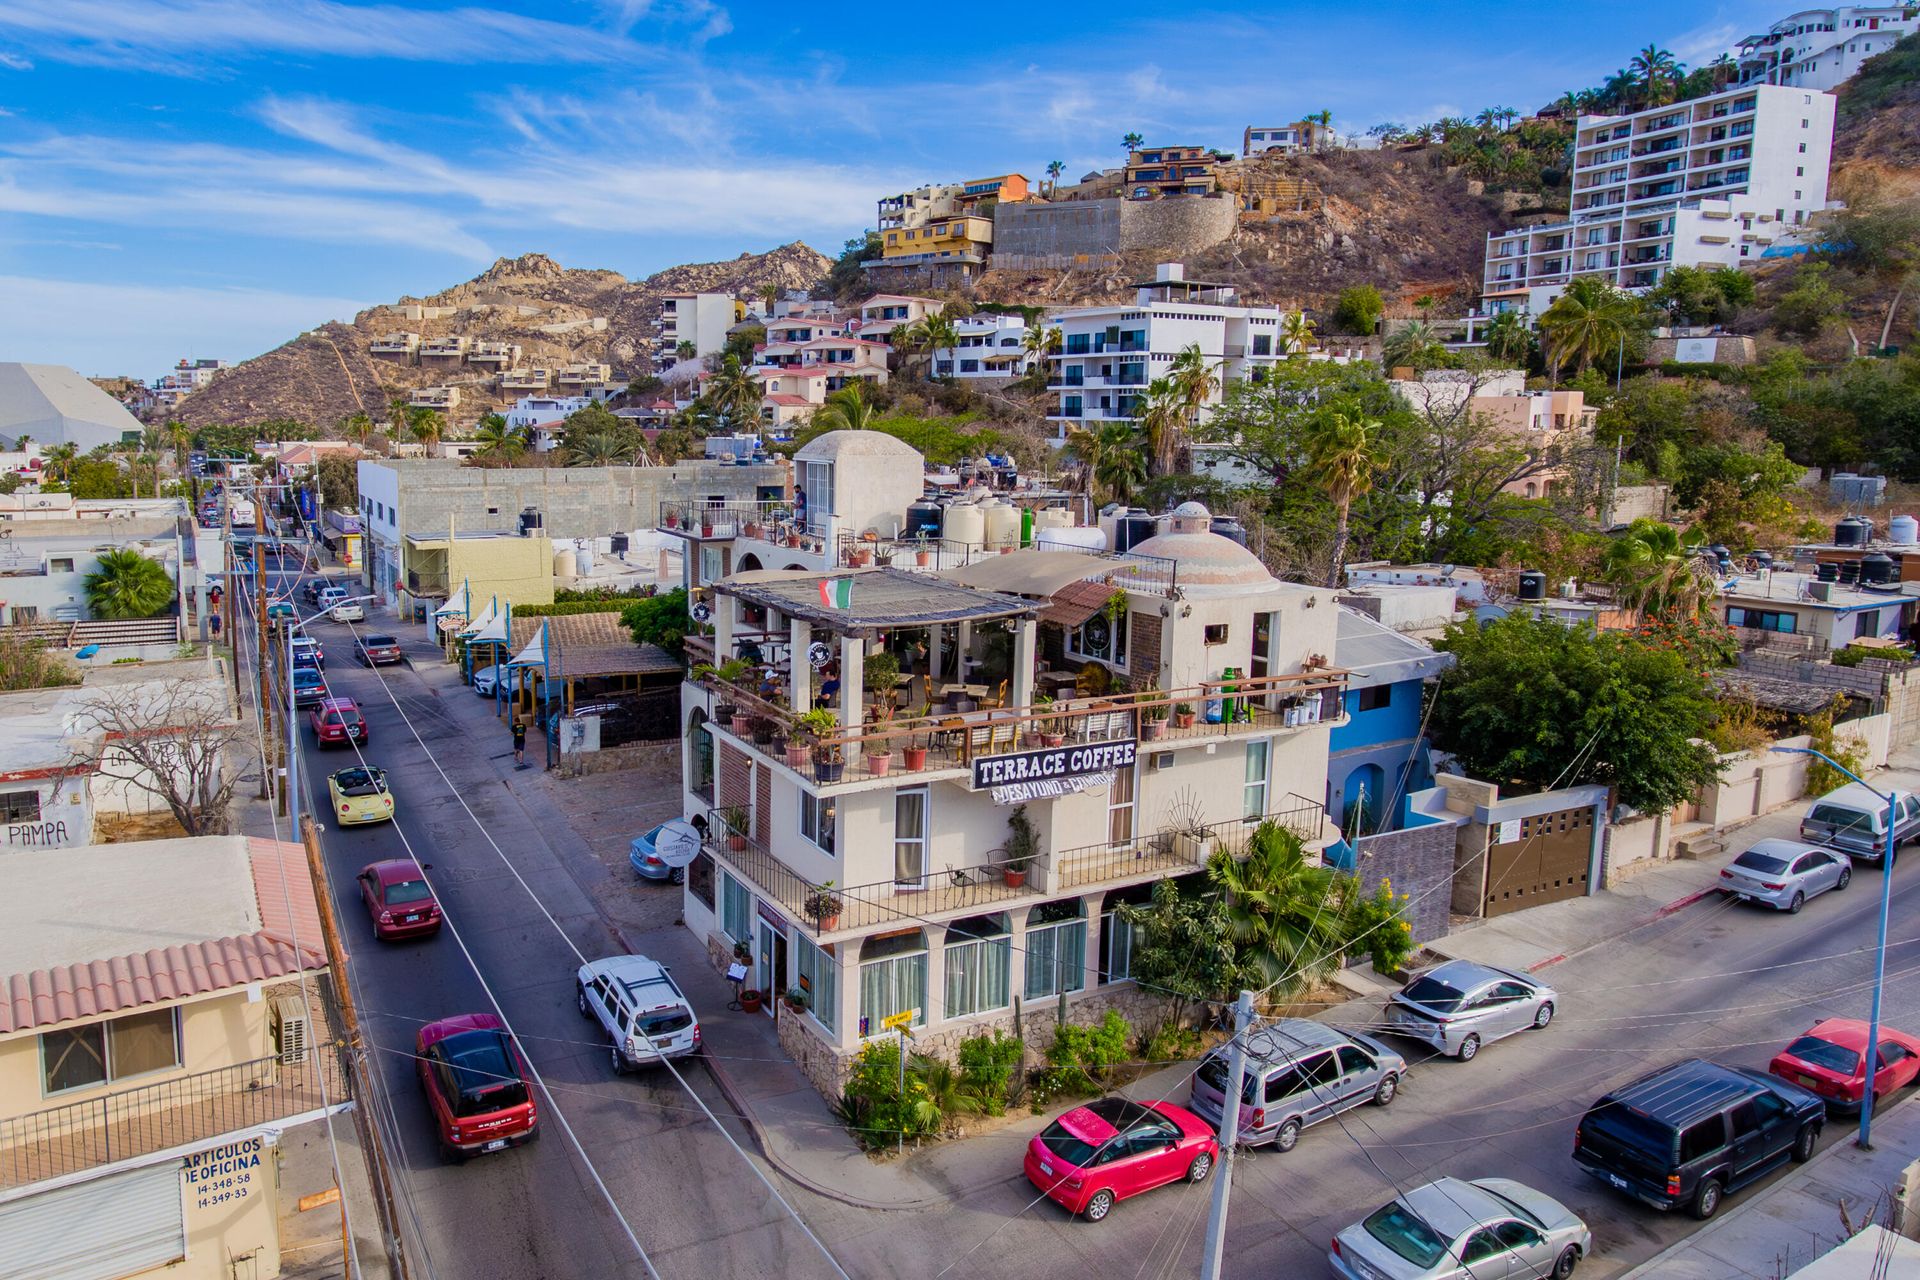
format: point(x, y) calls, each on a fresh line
point(836, 593)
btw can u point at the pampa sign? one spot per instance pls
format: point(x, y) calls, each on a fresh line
point(1052, 770)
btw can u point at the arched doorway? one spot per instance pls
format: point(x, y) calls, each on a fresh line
point(1363, 800)
point(747, 563)
point(699, 755)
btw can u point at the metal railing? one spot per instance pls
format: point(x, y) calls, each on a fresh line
point(158, 1117)
point(696, 518)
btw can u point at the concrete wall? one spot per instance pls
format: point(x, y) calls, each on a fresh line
point(1639, 502)
point(1417, 862)
point(1173, 227)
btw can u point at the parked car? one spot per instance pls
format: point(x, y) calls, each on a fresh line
point(477, 1085)
point(1853, 819)
point(486, 680)
point(1460, 1006)
point(307, 652)
point(646, 860)
point(1784, 874)
point(646, 1017)
point(1457, 1230)
point(338, 720)
point(331, 595)
point(377, 650)
point(1689, 1133)
point(1115, 1148)
point(347, 611)
point(1298, 1073)
point(309, 686)
point(1827, 1058)
point(398, 899)
point(360, 795)
point(281, 611)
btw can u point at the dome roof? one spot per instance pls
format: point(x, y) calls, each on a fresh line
point(1208, 560)
point(836, 445)
point(1193, 510)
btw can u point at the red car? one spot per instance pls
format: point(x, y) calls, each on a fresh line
point(1827, 1060)
point(477, 1084)
point(1115, 1148)
point(399, 899)
point(337, 721)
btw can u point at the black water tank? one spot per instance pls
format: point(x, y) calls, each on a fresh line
point(1853, 531)
point(1849, 572)
point(1230, 528)
point(1133, 528)
point(1719, 553)
point(923, 519)
point(1828, 572)
point(618, 544)
point(530, 522)
point(1533, 585)
point(1764, 559)
point(1876, 569)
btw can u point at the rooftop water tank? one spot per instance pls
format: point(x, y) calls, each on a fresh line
point(585, 558)
point(1133, 529)
point(1828, 572)
point(1904, 530)
point(1231, 529)
point(1051, 518)
point(1764, 559)
point(964, 524)
point(1003, 524)
point(923, 519)
point(1849, 572)
point(1876, 569)
point(1071, 538)
point(1853, 531)
point(618, 544)
point(530, 522)
point(1533, 585)
point(566, 566)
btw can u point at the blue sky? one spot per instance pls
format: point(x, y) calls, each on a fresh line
point(209, 177)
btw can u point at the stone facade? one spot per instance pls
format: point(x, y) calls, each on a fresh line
point(1176, 227)
point(1416, 861)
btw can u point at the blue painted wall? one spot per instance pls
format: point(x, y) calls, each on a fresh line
point(1382, 748)
point(1398, 720)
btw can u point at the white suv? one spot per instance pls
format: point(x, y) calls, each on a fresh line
point(640, 1007)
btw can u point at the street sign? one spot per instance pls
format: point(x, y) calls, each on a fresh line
point(899, 1021)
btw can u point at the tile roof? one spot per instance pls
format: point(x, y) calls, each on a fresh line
point(1074, 603)
point(580, 645)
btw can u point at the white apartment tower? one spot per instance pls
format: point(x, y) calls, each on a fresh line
point(1714, 181)
point(1823, 48)
point(700, 318)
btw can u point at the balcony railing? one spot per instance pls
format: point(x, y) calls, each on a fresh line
point(173, 1113)
point(694, 518)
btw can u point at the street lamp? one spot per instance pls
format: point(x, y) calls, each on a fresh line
point(1870, 1063)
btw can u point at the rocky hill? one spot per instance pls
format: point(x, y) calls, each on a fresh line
point(1877, 130)
point(555, 316)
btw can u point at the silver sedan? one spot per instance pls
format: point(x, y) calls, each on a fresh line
point(1785, 873)
point(1453, 1229)
point(1462, 1005)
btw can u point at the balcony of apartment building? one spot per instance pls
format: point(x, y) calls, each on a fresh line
point(1129, 374)
point(61, 1141)
point(1114, 339)
point(1726, 178)
point(443, 349)
point(1739, 106)
point(1648, 254)
point(395, 344)
point(1659, 147)
point(494, 353)
point(525, 379)
point(1660, 124)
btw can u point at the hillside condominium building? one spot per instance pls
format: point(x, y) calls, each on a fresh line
point(1710, 182)
point(1823, 48)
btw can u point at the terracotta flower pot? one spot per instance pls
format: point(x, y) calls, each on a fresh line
point(916, 758)
point(1183, 719)
point(1153, 730)
point(797, 757)
point(923, 558)
point(1053, 739)
point(1014, 878)
point(742, 725)
point(877, 765)
point(736, 842)
point(750, 1000)
point(793, 542)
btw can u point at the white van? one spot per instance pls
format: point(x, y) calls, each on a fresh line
point(1853, 820)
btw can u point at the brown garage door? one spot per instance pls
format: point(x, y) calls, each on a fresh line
point(1546, 864)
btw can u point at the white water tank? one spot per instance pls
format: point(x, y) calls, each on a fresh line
point(964, 523)
point(1071, 538)
point(1904, 530)
point(584, 557)
point(1051, 518)
point(566, 565)
point(1003, 524)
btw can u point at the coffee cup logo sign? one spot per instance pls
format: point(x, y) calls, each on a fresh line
point(1052, 771)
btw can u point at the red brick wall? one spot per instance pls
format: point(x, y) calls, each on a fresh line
point(734, 781)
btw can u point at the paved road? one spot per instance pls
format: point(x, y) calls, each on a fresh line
point(1717, 978)
point(534, 1211)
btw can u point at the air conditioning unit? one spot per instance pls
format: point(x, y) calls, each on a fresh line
point(291, 1034)
point(1162, 760)
point(1820, 590)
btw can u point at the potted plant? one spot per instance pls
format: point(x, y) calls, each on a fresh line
point(1183, 716)
point(1154, 727)
point(1052, 732)
point(823, 907)
point(793, 540)
point(734, 819)
point(1023, 842)
point(1192, 840)
point(915, 752)
point(923, 557)
point(673, 518)
point(750, 1000)
point(883, 557)
point(879, 750)
point(763, 730)
point(743, 953)
point(828, 763)
point(796, 1000)
point(795, 749)
point(860, 557)
point(881, 674)
point(751, 529)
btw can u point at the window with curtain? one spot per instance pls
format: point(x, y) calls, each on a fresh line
point(1120, 808)
point(979, 953)
point(736, 909)
point(1117, 940)
point(101, 1052)
point(1254, 792)
point(1056, 946)
point(819, 978)
point(893, 984)
point(910, 838)
point(817, 820)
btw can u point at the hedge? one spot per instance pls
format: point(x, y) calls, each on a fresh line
point(569, 607)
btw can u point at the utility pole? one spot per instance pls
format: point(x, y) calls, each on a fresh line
point(377, 1168)
point(260, 631)
point(1229, 1140)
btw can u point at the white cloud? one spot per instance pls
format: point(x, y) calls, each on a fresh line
point(13, 61)
point(141, 329)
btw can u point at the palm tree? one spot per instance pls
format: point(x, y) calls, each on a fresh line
point(938, 334)
point(1343, 452)
point(1508, 338)
point(1656, 70)
point(769, 294)
point(594, 448)
point(397, 407)
point(847, 409)
point(685, 351)
point(1278, 907)
point(1589, 322)
point(1652, 571)
point(498, 440)
point(356, 428)
point(180, 440)
point(1195, 380)
point(1296, 333)
point(735, 393)
point(1160, 417)
point(59, 460)
point(126, 584)
point(1111, 457)
point(1040, 342)
point(1722, 70)
point(1414, 345)
point(1054, 169)
point(1132, 142)
point(426, 425)
point(1488, 119)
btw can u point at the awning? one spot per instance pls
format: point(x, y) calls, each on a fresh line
point(493, 630)
point(535, 654)
point(456, 603)
point(486, 619)
point(1074, 603)
point(1030, 571)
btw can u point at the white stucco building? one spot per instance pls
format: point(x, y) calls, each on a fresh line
point(1823, 48)
point(1714, 181)
point(991, 346)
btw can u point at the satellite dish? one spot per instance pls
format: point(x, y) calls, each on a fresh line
point(678, 843)
point(819, 654)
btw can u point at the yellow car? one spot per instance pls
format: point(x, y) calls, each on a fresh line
point(360, 795)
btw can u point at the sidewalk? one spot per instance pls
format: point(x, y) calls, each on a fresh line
point(1777, 1230)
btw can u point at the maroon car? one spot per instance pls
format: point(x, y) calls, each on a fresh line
point(377, 650)
point(477, 1085)
point(399, 900)
point(337, 722)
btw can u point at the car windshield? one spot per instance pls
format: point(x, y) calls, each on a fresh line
point(1761, 862)
point(343, 717)
point(483, 1072)
point(1825, 1053)
point(1632, 1129)
point(304, 677)
point(664, 1023)
point(402, 892)
point(1844, 819)
point(360, 782)
point(381, 642)
point(1077, 1152)
point(1435, 994)
point(1406, 1233)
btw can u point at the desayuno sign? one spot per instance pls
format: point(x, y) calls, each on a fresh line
point(1052, 771)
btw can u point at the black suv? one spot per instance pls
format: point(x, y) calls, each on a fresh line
point(1689, 1133)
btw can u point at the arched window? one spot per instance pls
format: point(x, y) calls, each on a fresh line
point(700, 753)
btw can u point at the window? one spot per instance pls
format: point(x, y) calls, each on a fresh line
point(1120, 807)
point(819, 487)
point(700, 878)
point(736, 909)
point(1353, 1058)
point(1373, 697)
point(893, 979)
point(60, 564)
point(1867, 623)
point(1056, 945)
point(1263, 344)
point(817, 820)
point(978, 957)
point(910, 838)
point(815, 974)
point(1117, 941)
point(1761, 619)
point(101, 1052)
point(1102, 638)
point(1214, 634)
point(1283, 1084)
point(1702, 1139)
point(1803, 148)
point(20, 806)
point(700, 755)
point(1253, 792)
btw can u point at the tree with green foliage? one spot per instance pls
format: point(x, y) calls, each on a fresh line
point(1132, 142)
point(1113, 457)
point(847, 409)
point(660, 619)
point(126, 584)
point(593, 436)
point(1810, 303)
point(356, 428)
point(57, 461)
point(1343, 453)
point(742, 341)
point(846, 279)
point(1509, 339)
point(1651, 570)
point(498, 440)
point(1283, 910)
point(1160, 417)
point(1538, 704)
point(426, 426)
point(1591, 322)
point(735, 394)
point(1702, 295)
point(99, 478)
point(1358, 309)
point(1184, 946)
point(1414, 345)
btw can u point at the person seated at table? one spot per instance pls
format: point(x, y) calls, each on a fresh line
point(829, 688)
point(770, 684)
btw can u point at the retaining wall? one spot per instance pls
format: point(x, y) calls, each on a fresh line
point(1175, 227)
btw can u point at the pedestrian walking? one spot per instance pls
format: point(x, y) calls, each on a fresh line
point(519, 743)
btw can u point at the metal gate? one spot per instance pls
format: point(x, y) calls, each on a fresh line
point(1545, 860)
point(99, 1230)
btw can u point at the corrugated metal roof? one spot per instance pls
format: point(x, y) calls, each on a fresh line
point(592, 644)
point(1376, 654)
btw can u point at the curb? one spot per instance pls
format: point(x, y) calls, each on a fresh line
point(1538, 965)
point(1680, 904)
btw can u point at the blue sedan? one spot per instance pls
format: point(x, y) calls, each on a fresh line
point(647, 861)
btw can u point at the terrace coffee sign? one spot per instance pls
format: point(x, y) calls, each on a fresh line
point(1052, 771)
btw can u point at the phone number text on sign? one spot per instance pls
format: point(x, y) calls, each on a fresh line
point(223, 1174)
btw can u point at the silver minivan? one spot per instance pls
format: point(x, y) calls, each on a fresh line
point(1298, 1074)
point(1853, 820)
